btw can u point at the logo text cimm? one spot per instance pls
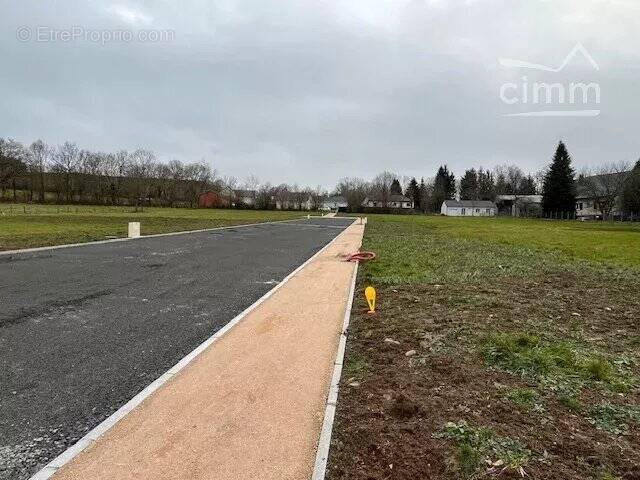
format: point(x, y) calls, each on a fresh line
point(538, 93)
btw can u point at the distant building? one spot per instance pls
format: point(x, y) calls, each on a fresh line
point(519, 205)
point(468, 208)
point(395, 201)
point(596, 191)
point(335, 202)
point(212, 200)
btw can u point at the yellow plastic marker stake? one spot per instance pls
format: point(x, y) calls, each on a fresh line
point(370, 294)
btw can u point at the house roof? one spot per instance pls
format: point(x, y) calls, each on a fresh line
point(469, 203)
point(392, 198)
point(399, 198)
point(336, 199)
point(522, 198)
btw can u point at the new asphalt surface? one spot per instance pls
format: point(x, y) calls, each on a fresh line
point(84, 329)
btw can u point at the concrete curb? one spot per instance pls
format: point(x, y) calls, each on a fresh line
point(65, 457)
point(142, 237)
point(324, 443)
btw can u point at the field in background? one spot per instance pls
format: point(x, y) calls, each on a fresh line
point(501, 348)
point(24, 226)
point(603, 242)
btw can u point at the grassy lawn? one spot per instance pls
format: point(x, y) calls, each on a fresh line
point(23, 226)
point(607, 243)
point(501, 348)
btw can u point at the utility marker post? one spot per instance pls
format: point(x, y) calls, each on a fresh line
point(134, 229)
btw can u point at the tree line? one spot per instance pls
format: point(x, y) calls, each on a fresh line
point(428, 195)
point(611, 186)
point(68, 174)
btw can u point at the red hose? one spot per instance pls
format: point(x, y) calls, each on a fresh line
point(360, 257)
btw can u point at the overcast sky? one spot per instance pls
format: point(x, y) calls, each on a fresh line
point(307, 92)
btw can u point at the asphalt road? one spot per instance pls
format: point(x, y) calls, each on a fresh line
point(84, 329)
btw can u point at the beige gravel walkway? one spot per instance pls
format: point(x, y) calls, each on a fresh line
point(250, 406)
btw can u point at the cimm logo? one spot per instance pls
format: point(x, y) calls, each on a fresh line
point(551, 98)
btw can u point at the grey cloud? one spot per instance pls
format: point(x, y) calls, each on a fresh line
point(308, 92)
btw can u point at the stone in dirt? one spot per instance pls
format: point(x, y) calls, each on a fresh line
point(392, 341)
point(410, 353)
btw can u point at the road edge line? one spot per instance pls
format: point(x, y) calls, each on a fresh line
point(324, 442)
point(142, 237)
point(88, 439)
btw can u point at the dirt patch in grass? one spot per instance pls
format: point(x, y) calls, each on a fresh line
point(529, 375)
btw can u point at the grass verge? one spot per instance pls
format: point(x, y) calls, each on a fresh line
point(25, 226)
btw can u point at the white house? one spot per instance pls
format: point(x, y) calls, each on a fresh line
point(395, 201)
point(597, 194)
point(468, 208)
point(335, 202)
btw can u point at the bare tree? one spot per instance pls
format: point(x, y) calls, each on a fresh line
point(136, 178)
point(265, 197)
point(509, 179)
point(38, 161)
point(199, 177)
point(251, 182)
point(12, 164)
point(94, 170)
point(317, 197)
point(354, 190)
point(426, 190)
point(300, 197)
point(282, 196)
point(114, 169)
point(381, 187)
point(405, 180)
point(605, 185)
point(229, 185)
point(140, 172)
point(65, 162)
point(176, 174)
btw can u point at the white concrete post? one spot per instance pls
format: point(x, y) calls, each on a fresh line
point(134, 229)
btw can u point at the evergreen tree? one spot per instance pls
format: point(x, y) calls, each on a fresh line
point(469, 185)
point(559, 190)
point(423, 195)
point(502, 186)
point(444, 187)
point(413, 192)
point(396, 189)
point(486, 186)
point(631, 192)
point(527, 186)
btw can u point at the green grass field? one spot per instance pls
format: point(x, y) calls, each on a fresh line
point(24, 226)
point(501, 348)
point(504, 246)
